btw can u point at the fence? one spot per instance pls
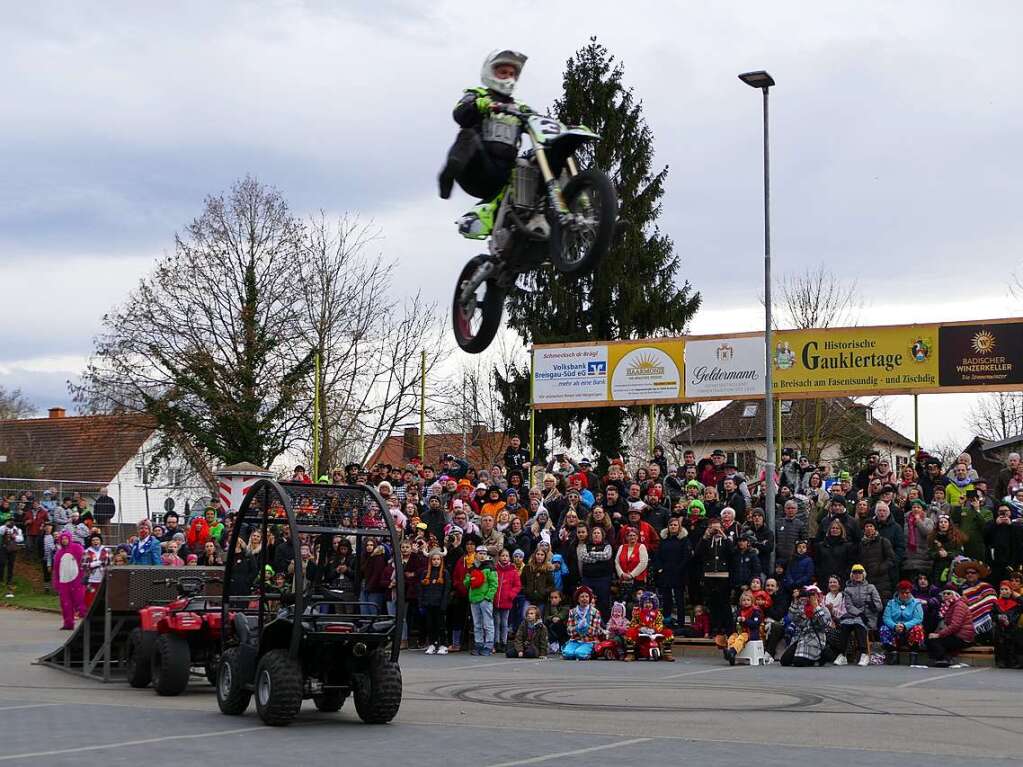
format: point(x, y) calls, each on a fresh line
point(131, 503)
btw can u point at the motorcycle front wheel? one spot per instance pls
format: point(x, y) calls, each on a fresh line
point(577, 248)
point(476, 322)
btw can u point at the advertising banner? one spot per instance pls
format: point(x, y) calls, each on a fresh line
point(646, 370)
point(897, 359)
point(856, 360)
point(569, 374)
point(981, 354)
point(724, 367)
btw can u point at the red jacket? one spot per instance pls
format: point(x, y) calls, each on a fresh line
point(958, 622)
point(458, 578)
point(508, 586)
point(34, 522)
point(647, 536)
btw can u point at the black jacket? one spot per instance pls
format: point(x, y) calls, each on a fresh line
point(671, 561)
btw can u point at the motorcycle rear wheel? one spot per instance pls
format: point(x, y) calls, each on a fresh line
point(578, 248)
point(476, 326)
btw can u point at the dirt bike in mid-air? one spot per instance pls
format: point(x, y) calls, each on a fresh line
point(551, 212)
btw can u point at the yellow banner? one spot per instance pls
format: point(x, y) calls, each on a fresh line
point(645, 370)
point(855, 360)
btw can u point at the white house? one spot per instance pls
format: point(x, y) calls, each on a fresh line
point(81, 454)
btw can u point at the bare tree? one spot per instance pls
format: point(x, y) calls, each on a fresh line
point(997, 416)
point(14, 404)
point(817, 298)
point(469, 402)
point(947, 451)
point(207, 345)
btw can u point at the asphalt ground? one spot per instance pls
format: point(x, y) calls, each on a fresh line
point(460, 710)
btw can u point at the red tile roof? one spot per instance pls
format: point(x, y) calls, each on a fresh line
point(729, 425)
point(481, 453)
point(93, 448)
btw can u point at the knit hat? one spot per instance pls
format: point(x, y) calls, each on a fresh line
point(904, 585)
point(192, 559)
point(843, 476)
point(435, 552)
point(481, 486)
point(518, 553)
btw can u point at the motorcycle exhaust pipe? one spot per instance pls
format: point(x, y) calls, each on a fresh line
point(359, 650)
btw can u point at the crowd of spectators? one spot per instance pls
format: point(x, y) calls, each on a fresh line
point(531, 561)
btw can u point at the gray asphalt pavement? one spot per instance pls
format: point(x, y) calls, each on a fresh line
point(459, 710)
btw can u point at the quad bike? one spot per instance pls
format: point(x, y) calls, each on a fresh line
point(311, 639)
point(173, 639)
point(551, 212)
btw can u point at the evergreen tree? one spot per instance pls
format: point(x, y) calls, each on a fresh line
point(635, 292)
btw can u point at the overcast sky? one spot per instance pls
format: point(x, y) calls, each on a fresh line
point(895, 158)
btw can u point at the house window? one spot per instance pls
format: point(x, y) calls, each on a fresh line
point(745, 461)
point(750, 410)
point(176, 477)
point(786, 406)
point(868, 414)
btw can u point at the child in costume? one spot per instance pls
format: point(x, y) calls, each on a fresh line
point(584, 626)
point(67, 578)
point(530, 640)
point(747, 626)
point(617, 625)
point(95, 560)
point(647, 625)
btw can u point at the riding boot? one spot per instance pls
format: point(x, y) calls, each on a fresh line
point(465, 146)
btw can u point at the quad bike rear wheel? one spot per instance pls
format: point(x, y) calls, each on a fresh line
point(278, 688)
point(578, 246)
point(171, 665)
point(378, 691)
point(138, 651)
point(232, 697)
point(476, 323)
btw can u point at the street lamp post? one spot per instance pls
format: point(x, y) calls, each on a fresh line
point(762, 80)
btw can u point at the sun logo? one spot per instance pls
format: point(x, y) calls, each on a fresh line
point(983, 342)
point(644, 365)
point(643, 362)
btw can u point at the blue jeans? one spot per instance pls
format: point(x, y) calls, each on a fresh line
point(379, 600)
point(501, 626)
point(483, 623)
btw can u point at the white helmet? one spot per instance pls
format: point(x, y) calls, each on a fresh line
point(507, 85)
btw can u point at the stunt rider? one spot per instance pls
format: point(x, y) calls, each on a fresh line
point(484, 152)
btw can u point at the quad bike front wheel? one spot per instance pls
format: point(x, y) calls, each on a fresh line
point(579, 245)
point(278, 688)
point(378, 691)
point(171, 665)
point(476, 321)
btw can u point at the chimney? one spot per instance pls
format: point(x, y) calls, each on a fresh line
point(410, 442)
point(56, 412)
